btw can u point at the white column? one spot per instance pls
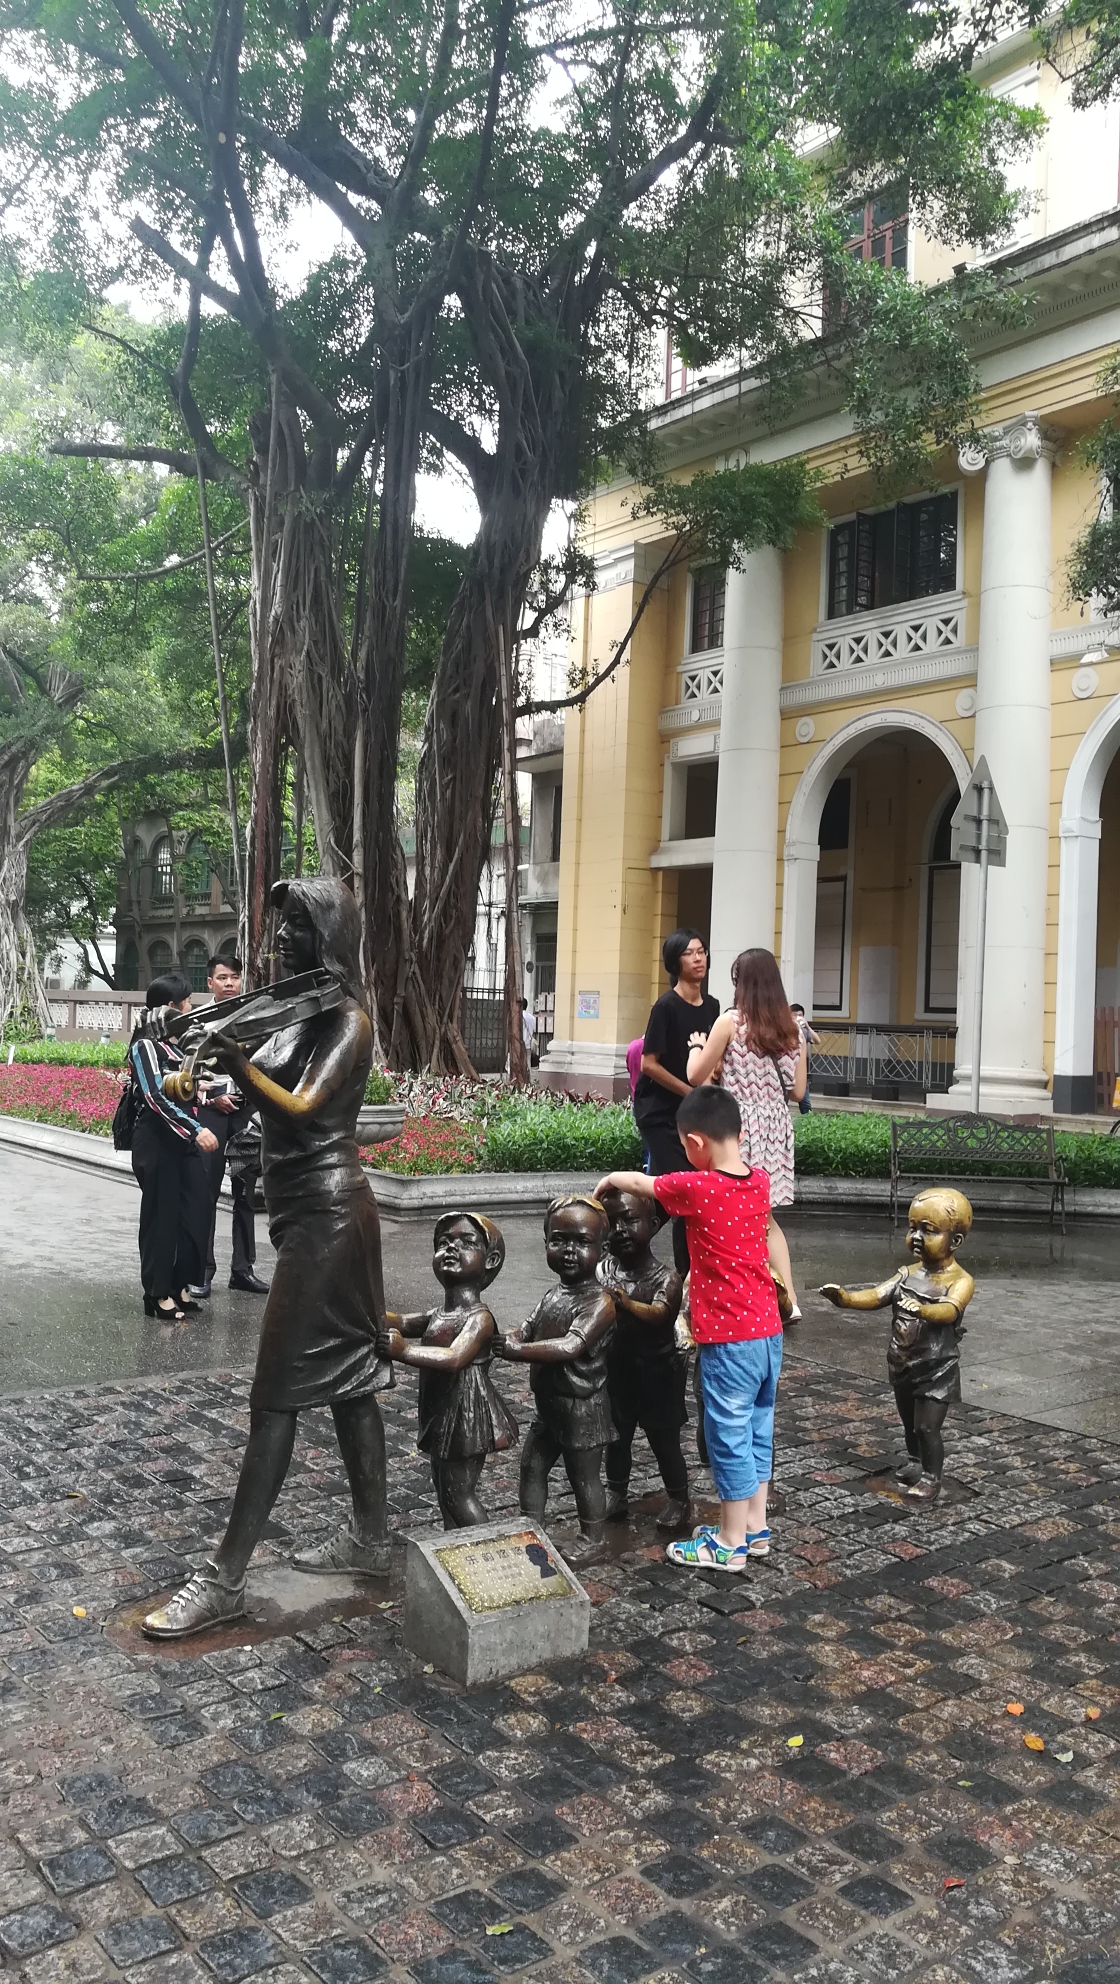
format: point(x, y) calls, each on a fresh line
point(745, 857)
point(1013, 734)
point(799, 920)
point(1077, 965)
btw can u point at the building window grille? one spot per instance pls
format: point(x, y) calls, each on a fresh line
point(163, 872)
point(708, 594)
point(882, 557)
point(196, 871)
point(195, 960)
point(877, 230)
point(159, 958)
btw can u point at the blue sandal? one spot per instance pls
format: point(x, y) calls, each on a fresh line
point(758, 1544)
point(704, 1552)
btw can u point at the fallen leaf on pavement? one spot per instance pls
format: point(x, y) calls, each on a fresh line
point(1034, 1742)
point(1014, 1708)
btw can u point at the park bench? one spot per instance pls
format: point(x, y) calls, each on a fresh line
point(951, 1149)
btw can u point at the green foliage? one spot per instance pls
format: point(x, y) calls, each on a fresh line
point(379, 1087)
point(721, 516)
point(66, 1053)
point(1089, 1160)
point(568, 1136)
point(1082, 40)
point(1094, 562)
point(843, 1146)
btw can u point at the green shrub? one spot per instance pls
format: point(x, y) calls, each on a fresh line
point(68, 1053)
point(565, 1136)
point(1089, 1160)
point(379, 1087)
point(843, 1146)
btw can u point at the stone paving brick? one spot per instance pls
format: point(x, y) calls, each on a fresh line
point(317, 1807)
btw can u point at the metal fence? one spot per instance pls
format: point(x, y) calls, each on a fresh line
point(889, 1062)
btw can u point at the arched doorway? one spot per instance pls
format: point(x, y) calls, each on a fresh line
point(1089, 884)
point(871, 904)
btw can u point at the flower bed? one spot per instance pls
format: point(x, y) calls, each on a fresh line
point(75, 1098)
point(426, 1147)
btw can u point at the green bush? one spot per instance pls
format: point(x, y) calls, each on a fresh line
point(1089, 1160)
point(379, 1087)
point(843, 1146)
point(566, 1136)
point(68, 1053)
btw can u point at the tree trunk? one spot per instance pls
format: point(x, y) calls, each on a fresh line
point(459, 759)
point(23, 1002)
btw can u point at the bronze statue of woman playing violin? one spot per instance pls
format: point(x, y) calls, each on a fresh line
point(326, 1304)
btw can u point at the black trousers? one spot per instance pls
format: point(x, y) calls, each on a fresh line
point(175, 1207)
point(666, 1153)
point(244, 1227)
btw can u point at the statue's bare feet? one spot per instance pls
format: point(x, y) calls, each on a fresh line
point(926, 1489)
point(908, 1472)
point(343, 1552)
point(203, 1601)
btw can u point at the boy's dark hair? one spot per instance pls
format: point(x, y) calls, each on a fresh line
point(710, 1112)
point(674, 948)
point(170, 990)
point(223, 957)
point(796, 1007)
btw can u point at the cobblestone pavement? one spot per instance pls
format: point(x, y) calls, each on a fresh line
point(809, 1772)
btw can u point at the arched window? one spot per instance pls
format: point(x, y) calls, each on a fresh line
point(160, 959)
point(228, 948)
point(128, 970)
point(195, 870)
point(195, 959)
point(163, 871)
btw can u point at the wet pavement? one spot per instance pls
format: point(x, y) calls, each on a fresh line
point(807, 1772)
point(1043, 1337)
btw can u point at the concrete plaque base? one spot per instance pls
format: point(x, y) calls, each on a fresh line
point(485, 1603)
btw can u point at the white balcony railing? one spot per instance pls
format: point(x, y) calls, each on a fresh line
point(701, 676)
point(890, 633)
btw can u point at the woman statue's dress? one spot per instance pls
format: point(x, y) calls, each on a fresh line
point(326, 1302)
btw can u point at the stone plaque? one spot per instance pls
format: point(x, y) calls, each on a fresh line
point(485, 1603)
point(517, 1569)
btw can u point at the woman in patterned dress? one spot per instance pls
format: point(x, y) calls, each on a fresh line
point(756, 1052)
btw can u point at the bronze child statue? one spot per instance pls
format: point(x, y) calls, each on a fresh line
point(928, 1304)
point(646, 1367)
point(565, 1342)
point(462, 1417)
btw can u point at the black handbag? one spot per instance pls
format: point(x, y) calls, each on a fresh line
point(125, 1114)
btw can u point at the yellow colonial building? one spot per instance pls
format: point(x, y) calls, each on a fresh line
point(779, 762)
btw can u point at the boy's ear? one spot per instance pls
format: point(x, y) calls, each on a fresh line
point(494, 1260)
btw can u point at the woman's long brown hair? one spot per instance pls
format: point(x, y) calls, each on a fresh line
point(761, 1003)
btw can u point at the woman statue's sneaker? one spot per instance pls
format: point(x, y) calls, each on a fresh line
point(343, 1552)
point(205, 1600)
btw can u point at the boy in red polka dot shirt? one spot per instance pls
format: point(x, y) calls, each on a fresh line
point(734, 1316)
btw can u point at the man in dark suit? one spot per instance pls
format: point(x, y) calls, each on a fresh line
point(223, 1111)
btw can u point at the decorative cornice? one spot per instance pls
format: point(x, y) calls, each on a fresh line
point(875, 678)
point(1021, 439)
point(625, 565)
point(689, 716)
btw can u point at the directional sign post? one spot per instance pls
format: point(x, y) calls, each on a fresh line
point(979, 835)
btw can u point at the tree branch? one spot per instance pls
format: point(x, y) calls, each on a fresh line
point(60, 805)
point(458, 442)
point(167, 571)
point(677, 553)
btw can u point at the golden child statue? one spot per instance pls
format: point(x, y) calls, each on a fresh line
point(928, 1305)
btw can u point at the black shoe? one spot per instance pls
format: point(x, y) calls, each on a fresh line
point(249, 1283)
point(618, 1506)
point(200, 1290)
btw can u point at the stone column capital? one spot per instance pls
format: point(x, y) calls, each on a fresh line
point(1021, 439)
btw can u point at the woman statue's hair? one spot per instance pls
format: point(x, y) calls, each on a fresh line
point(333, 914)
point(761, 1003)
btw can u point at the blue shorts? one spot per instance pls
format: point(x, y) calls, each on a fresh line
point(740, 1383)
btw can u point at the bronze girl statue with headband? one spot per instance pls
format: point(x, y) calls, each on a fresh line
point(565, 1342)
point(462, 1416)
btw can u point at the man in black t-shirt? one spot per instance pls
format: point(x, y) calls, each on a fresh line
point(679, 1014)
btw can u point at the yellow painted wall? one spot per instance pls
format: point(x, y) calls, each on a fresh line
point(1108, 883)
point(609, 899)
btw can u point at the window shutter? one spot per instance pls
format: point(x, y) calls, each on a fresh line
point(841, 557)
point(904, 520)
point(864, 588)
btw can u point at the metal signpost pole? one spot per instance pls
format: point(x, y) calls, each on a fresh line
point(981, 936)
